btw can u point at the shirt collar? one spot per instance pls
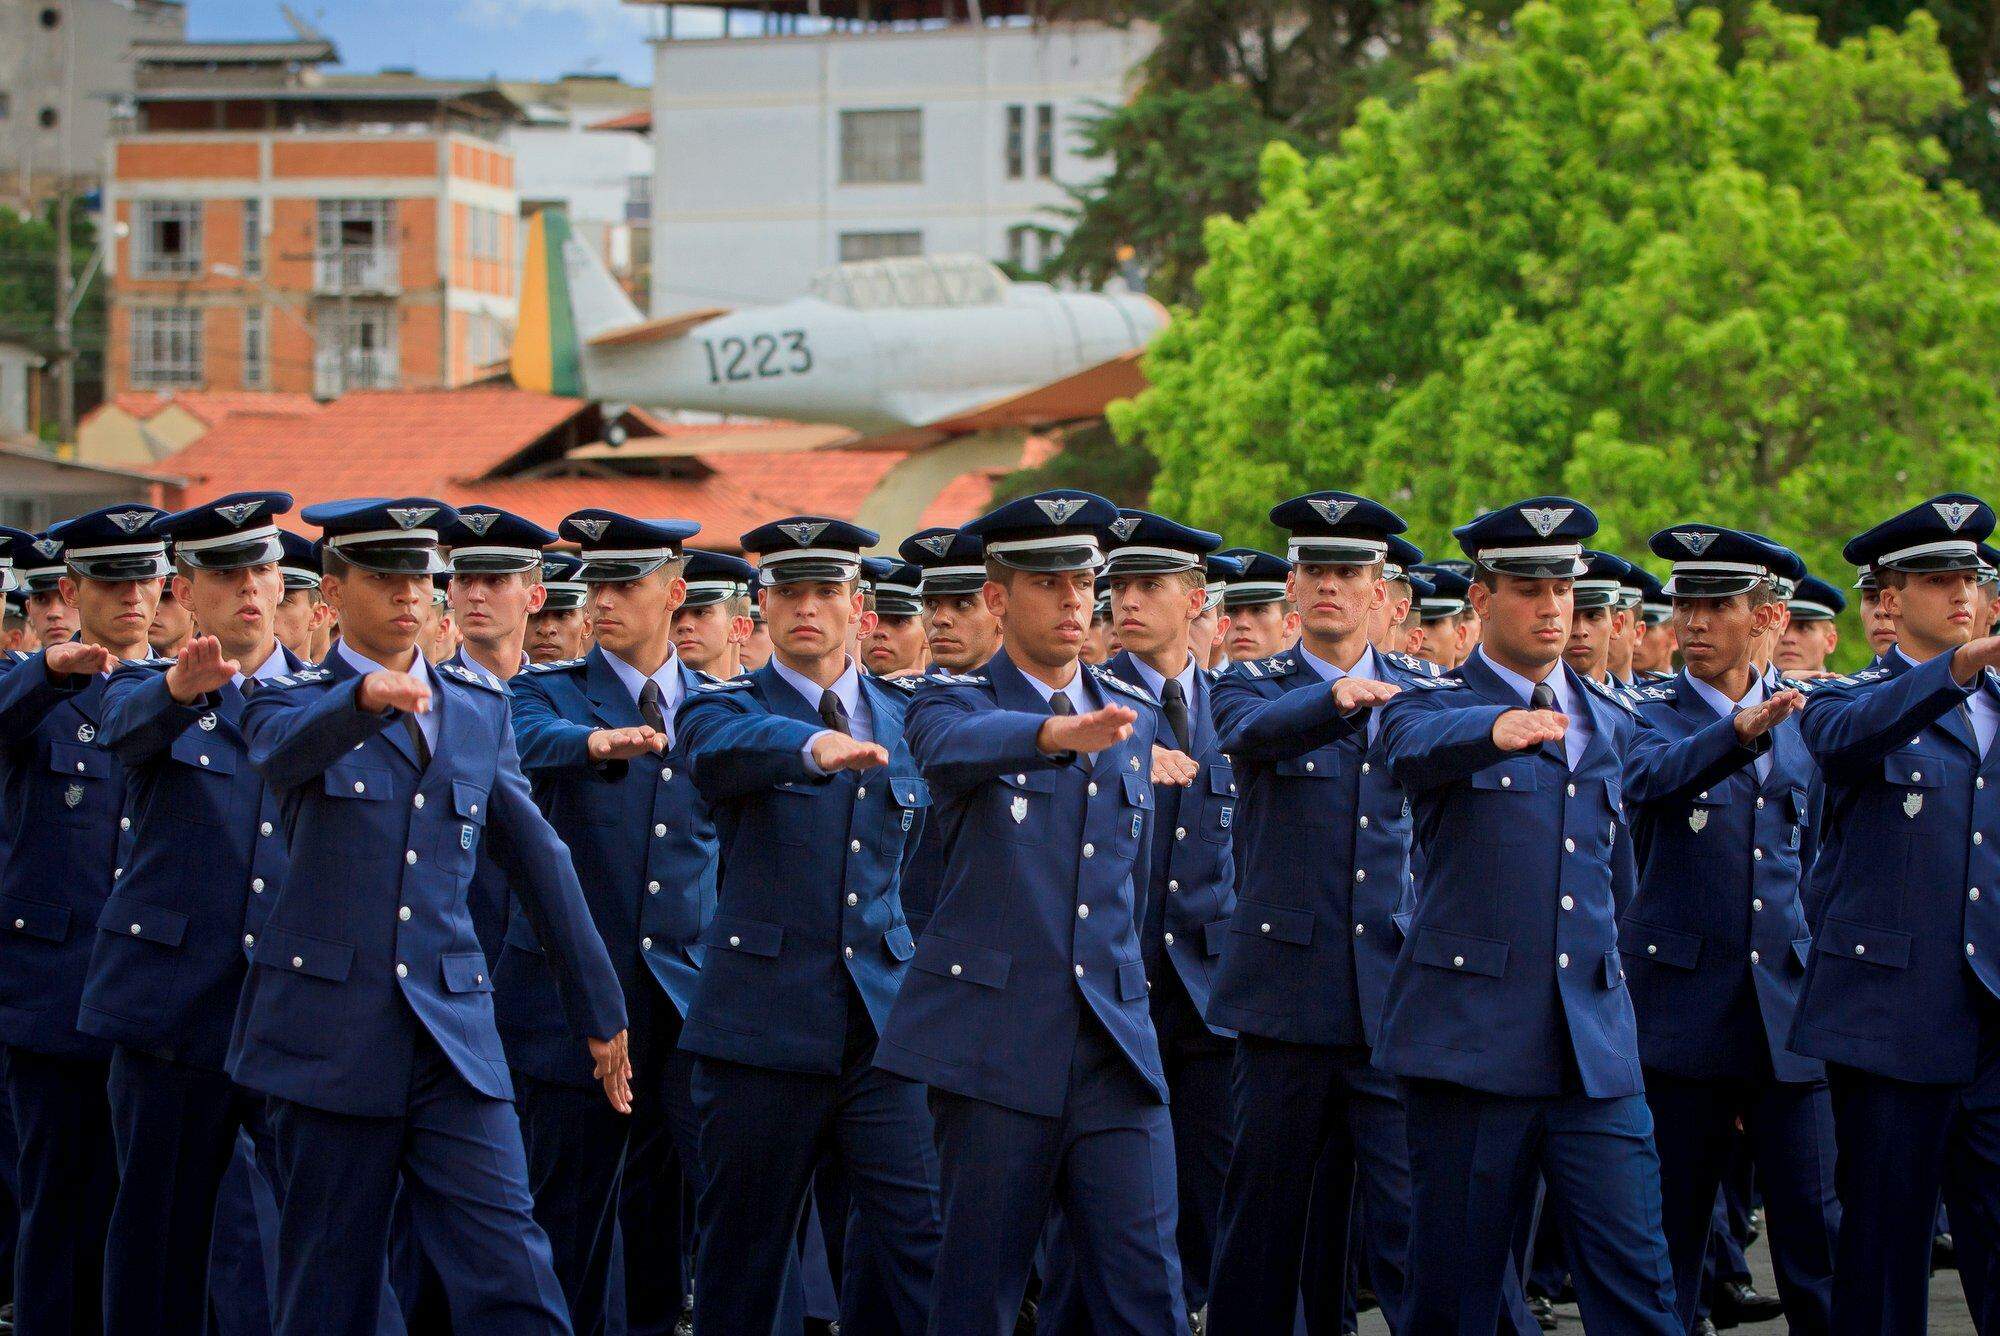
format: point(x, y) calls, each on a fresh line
point(1074, 690)
point(275, 665)
point(419, 668)
point(846, 688)
point(1557, 679)
point(1720, 703)
point(1364, 667)
point(1156, 683)
point(668, 676)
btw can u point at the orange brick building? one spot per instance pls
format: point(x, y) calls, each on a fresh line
point(281, 228)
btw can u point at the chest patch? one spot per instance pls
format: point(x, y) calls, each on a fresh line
point(1913, 803)
point(1018, 809)
point(1697, 819)
point(465, 834)
point(73, 795)
point(85, 732)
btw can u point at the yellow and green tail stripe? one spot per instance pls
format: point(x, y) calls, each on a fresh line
point(545, 342)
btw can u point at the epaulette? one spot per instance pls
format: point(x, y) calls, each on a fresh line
point(904, 684)
point(1441, 682)
point(1615, 697)
point(1410, 663)
point(1120, 684)
point(303, 677)
point(472, 677)
point(726, 684)
point(1860, 679)
point(560, 665)
point(701, 676)
point(159, 661)
point(952, 680)
point(1661, 691)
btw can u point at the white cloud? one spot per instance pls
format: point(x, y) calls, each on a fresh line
point(596, 19)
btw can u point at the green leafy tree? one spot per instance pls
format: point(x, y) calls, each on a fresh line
point(1593, 256)
point(28, 293)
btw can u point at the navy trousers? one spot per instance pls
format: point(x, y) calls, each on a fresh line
point(243, 1254)
point(1473, 1159)
point(68, 1176)
point(1107, 1161)
point(1296, 1106)
point(763, 1133)
point(1901, 1144)
point(459, 1155)
point(1790, 1131)
point(602, 1179)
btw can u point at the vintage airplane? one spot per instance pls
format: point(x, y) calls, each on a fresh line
point(904, 351)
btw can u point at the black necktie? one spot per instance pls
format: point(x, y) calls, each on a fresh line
point(1060, 703)
point(1175, 701)
point(1543, 697)
point(417, 740)
point(833, 713)
point(649, 707)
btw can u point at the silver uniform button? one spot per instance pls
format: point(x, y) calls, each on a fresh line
point(404, 913)
point(1652, 950)
point(666, 773)
point(1083, 911)
point(1360, 929)
point(417, 802)
point(1757, 855)
point(1079, 971)
point(409, 855)
point(1173, 885)
point(1361, 874)
point(249, 939)
point(847, 951)
point(257, 885)
point(1506, 781)
point(1090, 851)
point(1458, 960)
point(1263, 927)
point(957, 970)
point(1754, 957)
point(1569, 845)
point(853, 899)
point(204, 760)
point(1757, 906)
point(1020, 779)
point(1091, 788)
point(1563, 960)
point(124, 823)
point(1365, 767)
point(659, 831)
point(1568, 902)
point(736, 941)
point(135, 930)
point(402, 970)
point(1364, 823)
point(861, 791)
point(299, 963)
point(1170, 939)
point(1180, 832)
point(1860, 949)
point(1572, 790)
point(854, 846)
point(359, 787)
point(652, 888)
point(80, 766)
point(1760, 804)
point(645, 943)
point(264, 829)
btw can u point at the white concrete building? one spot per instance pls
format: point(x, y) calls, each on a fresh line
point(585, 142)
point(815, 142)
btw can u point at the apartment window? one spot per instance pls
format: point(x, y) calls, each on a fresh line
point(879, 245)
point(1017, 142)
point(256, 369)
point(352, 247)
point(639, 197)
point(169, 234)
point(1045, 140)
point(166, 347)
point(253, 237)
point(354, 350)
point(881, 147)
point(1030, 247)
point(485, 341)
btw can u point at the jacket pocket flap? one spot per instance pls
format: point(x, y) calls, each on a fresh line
point(750, 936)
point(1801, 948)
point(899, 943)
point(1614, 969)
point(469, 801)
point(1132, 981)
point(203, 752)
point(76, 758)
point(367, 783)
point(1138, 790)
point(1796, 797)
point(282, 949)
point(962, 961)
point(1912, 770)
point(149, 923)
point(1222, 779)
point(1664, 946)
point(1255, 919)
point(1034, 781)
point(37, 918)
point(1214, 934)
point(1457, 951)
point(909, 791)
point(1860, 941)
point(465, 972)
point(1514, 777)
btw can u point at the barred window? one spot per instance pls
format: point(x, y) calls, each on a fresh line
point(253, 237)
point(166, 347)
point(881, 147)
point(1045, 140)
point(169, 237)
point(256, 369)
point(879, 245)
point(1017, 142)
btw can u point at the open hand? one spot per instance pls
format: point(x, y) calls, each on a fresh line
point(383, 690)
point(1361, 693)
point(1091, 732)
point(1518, 730)
point(198, 669)
point(611, 1064)
point(1172, 767)
point(622, 744)
point(833, 751)
point(74, 658)
point(1968, 661)
point(1766, 715)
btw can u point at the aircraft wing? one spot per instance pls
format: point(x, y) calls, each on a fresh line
point(1079, 395)
point(657, 331)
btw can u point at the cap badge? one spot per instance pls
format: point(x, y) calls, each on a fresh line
point(1124, 526)
point(48, 547)
point(1060, 508)
point(129, 521)
point(804, 531)
point(1333, 512)
point(409, 517)
point(592, 529)
point(1545, 520)
point(937, 544)
point(1696, 543)
point(239, 512)
point(479, 521)
point(1953, 513)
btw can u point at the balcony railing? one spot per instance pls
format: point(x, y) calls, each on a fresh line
point(372, 270)
point(336, 371)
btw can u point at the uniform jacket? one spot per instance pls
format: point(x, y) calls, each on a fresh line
point(1715, 943)
point(1513, 951)
point(206, 862)
point(644, 847)
point(807, 894)
point(371, 928)
point(1324, 856)
point(1192, 878)
point(1046, 861)
point(488, 897)
point(924, 872)
point(61, 794)
point(1906, 939)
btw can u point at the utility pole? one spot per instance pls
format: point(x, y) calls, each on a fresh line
point(65, 341)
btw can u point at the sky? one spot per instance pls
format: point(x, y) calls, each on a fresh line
point(513, 39)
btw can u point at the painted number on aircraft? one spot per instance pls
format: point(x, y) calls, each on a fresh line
point(761, 356)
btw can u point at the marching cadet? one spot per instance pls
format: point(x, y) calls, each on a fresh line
point(62, 792)
point(1984, 617)
point(495, 585)
point(367, 1017)
point(756, 651)
point(561, 628)
point(1598, 619)
point(1718, 791)
point(818, 806)
point(173, 624)
point(1390, 624)
point(1026, 1008)
point(302, 613)
point(894, 645)
point(1630, 629)
point(1900, 991)
point(1208, 635)
point(1653, 656)
point(961, 634)
point(1788, 569)
point(713, 621)
point(1812, 634)
point(595, 736)
point(1507, 1013)
point(1158, 592)
point(1876, 623)
point(439, 639)
point(170, 955)
point(1322, 844)
point(40, 570)
point(1261, 622)
point(1442, 613)
point(1102, 642)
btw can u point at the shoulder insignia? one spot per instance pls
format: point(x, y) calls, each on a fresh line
point(1120, 684)
point(907, 685)
point(1250, 666)
point(303, 677)
point(1410, 663)
point(726, 684)
point(472, 677)
point(1442, 682)
point(953, 680)
point(1278, 667)
point(560, 665)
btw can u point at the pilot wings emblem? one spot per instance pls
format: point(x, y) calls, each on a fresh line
point(409, 517)
point(239, 512)
point(48, 547)
point(1330, 511)
point(592, 529)
point(1545, 520)
point(1696, 543)
point(130, 521)
point(1953, 513)
point(804, 532)
point(937, 544)
point(1060, 508)
point(1123, 527)
point(479, 521)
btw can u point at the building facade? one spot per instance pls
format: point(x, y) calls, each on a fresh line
point(585, 143)
point(280, 228)
point(808, 144)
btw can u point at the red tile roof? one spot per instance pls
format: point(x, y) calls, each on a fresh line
point(811, 482)
point(209, 406)
point(962, 500)
point(641, 120)
point(724, 510)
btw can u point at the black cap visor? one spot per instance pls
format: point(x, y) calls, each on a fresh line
point(778, 570)
point(391, 557)
point(234, 556)
point(115, 568)
point(619, 570)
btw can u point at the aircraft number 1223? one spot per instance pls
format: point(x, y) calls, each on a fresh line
point(760, 356)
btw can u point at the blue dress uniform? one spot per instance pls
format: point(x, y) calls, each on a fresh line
point(645, 848)
point(170, 953)
point(1026, 1008)
point(1716, 944)
point(1902, 991)
point(1507, 1012)
point(803, 957)
point(62, 793)
point(368, 1014)
point(1323, 865)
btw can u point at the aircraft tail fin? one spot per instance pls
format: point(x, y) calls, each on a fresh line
point(567, 297)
